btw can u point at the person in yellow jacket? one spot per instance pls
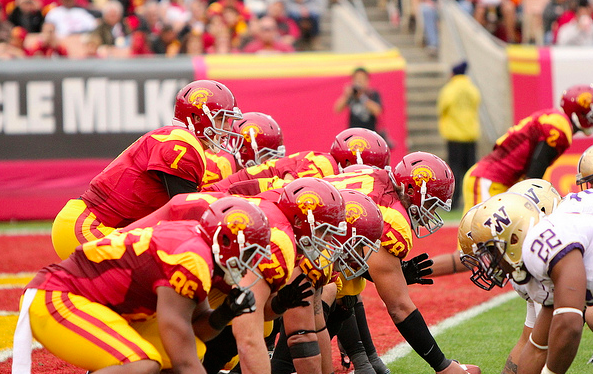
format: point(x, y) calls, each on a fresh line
point(459, 124)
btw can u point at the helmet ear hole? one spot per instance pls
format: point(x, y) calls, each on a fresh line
point(226, 241)
point(514, 239)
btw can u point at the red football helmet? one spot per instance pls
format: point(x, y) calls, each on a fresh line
point(208, 108)
point(316, 212)
point(360, 146)
point(262, 139)
point(356, 167)
point(429, 183)
point(363, 236)
point(239, 233)
point(576, 102)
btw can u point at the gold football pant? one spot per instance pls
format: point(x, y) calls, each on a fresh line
point(75, 224)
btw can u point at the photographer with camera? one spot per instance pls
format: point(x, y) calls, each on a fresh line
point(364, 102)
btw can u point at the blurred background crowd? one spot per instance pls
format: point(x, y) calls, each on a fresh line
point(129, 28)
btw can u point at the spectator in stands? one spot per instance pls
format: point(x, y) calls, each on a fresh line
point(216, 7)
point(363, 101)
point(430, 19)
point(307, 14)
point(15, 47)
point(70, 19)
point(111, 30)
point(151, 14)
point(532, 30)
point(566, 16)
point(92, 46)
point(198, 20)
point(579, 30)
point(192, 44)
point(236, 24)
point(459, 124)
point(267, 39)
point(553, 10)
point(176, 14)
point(166, 43)
point(27, 14)
point(139, 44)
point(499, 17)
point(47, 44)
point(287, 27)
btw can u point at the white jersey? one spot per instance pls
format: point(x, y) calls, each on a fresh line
point(581, 202)
point(553, 237)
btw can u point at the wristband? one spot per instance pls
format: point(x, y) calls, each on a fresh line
point(542, 347)
point(545, 370)
point(567, 310)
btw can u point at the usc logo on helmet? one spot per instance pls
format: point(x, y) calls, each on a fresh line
point(199, 97)
point(354, 211)
point(357, 144)
point(421, 174)
point(308, 201)
point(246, 131)
point(585, 99)
point(237, 220)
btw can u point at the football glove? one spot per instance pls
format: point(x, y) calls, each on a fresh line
point(292, 295)
point(417, 268)
point(237, 302)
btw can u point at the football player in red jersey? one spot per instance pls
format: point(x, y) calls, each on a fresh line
point(159, 165)
point(83, 308)
point(351, 146)
point(409, 198)
point(261, 140)
point(246, 335)
point(525, 151)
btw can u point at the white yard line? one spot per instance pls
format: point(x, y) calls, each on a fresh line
point(404, 348)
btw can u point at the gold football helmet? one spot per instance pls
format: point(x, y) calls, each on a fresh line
point(585, 169)
point(467, 246)
point(542, 192)
point(499, 228)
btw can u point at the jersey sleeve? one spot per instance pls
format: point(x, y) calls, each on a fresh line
point(397, 233)
point(556, 131)
point(278, 269)
point(218, 166)
point(186, 270)
point(177, 153)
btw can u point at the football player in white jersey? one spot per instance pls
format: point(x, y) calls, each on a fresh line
point(547, 199)
point(513, 238)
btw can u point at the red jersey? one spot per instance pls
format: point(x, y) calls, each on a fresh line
point(318, 278)
point(218, 166)
point(297, 165)
point(376, 183)
point(123, 270)
point(129, 187)
point(510, 159)
point(276, 271)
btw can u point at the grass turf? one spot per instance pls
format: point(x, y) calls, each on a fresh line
point(486, 340)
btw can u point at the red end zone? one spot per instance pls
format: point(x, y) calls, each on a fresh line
point(448, 296)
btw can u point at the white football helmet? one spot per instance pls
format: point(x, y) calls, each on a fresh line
point(540, 191)
point(467, 249)
point(499, 228)
point(585, 169)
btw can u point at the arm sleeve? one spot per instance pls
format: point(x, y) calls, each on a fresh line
point(176, 185)
point(543, 156)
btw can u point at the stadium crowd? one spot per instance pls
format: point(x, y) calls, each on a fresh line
point(114, 28)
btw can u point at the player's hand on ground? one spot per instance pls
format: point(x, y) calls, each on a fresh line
point(292, 295)
point(417, 268)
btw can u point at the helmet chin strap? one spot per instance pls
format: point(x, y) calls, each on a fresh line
point(359, 157)
point(190, 125)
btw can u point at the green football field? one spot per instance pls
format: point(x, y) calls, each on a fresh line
point(485, 340)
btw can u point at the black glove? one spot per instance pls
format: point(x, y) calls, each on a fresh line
point(237, 302)
point(292, 295)
point(417, 268)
